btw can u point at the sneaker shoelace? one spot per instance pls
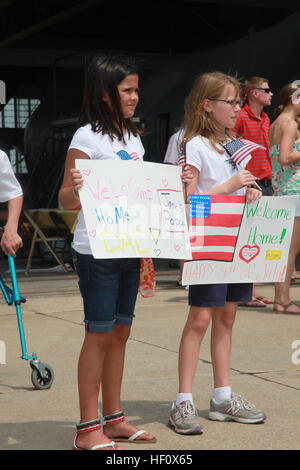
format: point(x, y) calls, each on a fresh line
point(187, 410)
point(238, 402)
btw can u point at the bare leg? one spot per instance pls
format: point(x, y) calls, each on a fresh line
point(113, 370)
point(192, 336)
point(282, 289)
point(221, 340)
point(90, 367)
point(111, 384)
point(181, 263)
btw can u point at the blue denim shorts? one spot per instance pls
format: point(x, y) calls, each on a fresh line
point(109, 289)
point(216, 295)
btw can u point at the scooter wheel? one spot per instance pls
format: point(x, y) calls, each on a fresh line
point(42, 383)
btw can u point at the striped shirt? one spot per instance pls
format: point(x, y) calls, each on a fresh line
point(256, 129)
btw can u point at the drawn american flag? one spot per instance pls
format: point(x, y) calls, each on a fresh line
point(135, 156)
point(239, 151)
point(214, 226)
point(126, 156)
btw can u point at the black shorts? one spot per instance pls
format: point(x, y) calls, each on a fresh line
point(216, 295)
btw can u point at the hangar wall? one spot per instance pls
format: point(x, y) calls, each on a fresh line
point(166, 81)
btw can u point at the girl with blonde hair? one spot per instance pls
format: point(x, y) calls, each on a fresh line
point(211, 111)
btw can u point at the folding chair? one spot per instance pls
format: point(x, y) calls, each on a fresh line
point(39, 236)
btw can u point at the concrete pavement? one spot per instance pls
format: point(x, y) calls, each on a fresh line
point(262, 369)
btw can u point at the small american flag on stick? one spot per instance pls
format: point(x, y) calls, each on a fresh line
point(182, 154)
point(239, 151)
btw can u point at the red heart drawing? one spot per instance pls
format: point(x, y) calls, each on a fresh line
point(176, 247)
point(248, 253)
point(165, 182)
point(86, 172)
point(92, 233)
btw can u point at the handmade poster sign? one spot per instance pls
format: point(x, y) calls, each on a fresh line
point(134, 209)
point(234, 242)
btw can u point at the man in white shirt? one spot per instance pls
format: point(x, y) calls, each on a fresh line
point(11, 191)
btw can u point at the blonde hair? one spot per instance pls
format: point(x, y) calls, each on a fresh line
point(255, 82)
point(196, 120)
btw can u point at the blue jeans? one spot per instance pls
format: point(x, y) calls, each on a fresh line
point(109, 289)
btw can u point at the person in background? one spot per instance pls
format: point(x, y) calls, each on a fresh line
point(11, 191)
point(295, 276)
point(172, 158)
point(253, 124)
point(285, 155)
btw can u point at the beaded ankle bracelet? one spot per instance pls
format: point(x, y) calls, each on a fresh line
point(88, 426)
point(114, 418)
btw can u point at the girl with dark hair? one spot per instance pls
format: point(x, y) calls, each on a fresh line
point(102, 107)
point(108, 286)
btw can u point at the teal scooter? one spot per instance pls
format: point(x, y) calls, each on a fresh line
point(42, 375)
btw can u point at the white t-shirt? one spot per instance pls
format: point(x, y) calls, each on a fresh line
point(173, 150)
point(100, 147)
point(214, 168)
point(9, 186)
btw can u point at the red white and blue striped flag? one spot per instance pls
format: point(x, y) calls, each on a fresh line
point(240, 150)
point(182, 154)
point(214, 226)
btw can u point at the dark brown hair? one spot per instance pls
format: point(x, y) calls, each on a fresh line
point(285, 95)
point(103, 77)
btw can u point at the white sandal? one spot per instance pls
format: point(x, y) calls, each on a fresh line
point(119, 418)
point(89, 427)
point(99, 446)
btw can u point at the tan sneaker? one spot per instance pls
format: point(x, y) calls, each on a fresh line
point(237, 409)
point(184, 418)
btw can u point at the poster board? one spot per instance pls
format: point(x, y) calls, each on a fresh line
point(261, 247)
point(134, 209)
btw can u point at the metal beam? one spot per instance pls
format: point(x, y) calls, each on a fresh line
point(291, 5)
